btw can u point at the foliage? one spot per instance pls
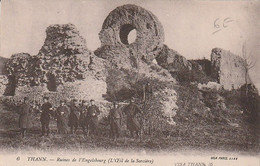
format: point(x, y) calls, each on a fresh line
point(158, 107)
point(188, 76)
point(250, 101)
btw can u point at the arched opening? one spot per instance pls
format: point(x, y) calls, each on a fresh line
point(11, 86)
point(127, 34)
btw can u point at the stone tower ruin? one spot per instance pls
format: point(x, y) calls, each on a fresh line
point(121, 21)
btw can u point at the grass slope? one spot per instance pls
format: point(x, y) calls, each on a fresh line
point(197, 128)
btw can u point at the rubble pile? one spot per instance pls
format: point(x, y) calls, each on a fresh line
point(168, 99)
point(172, 60)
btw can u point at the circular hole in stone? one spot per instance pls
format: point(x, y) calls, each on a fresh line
point(132, 36)
point(127, 34)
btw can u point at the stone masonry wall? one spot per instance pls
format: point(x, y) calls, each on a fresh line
point(227, 68)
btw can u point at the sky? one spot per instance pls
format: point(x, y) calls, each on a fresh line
point(192, 28)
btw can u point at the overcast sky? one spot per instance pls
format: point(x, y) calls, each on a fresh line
point(188, 25)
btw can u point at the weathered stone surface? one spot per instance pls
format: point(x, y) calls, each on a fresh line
point(18, 73)
point(3, 83)
point(118, 57)
point(64, 53)
point(130, 65)
point(202, 64)
point(172, 60)
point(227, 68)
point(63, 39)
point(19, 66)
point(63, 58)
point(122, 20)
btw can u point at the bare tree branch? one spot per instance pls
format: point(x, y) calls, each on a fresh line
point(248, 64)
point(252, 65)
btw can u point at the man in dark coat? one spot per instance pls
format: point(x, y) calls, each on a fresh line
point(46, 112)
point(92, 115)
point(73, 116)
point(131, 111)
point(24, 116)
point(83, 116)
point(115, 121)
point(62, 114)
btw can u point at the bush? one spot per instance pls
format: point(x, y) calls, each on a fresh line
point(188, 76)
point(159, 107)
point(250, 102)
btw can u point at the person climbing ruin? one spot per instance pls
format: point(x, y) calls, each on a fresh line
point(92, 115)
point(73, 116)
point(115, 121)
point(25, 121)
point(91, 63)
point(46, 113)
point(131, 111)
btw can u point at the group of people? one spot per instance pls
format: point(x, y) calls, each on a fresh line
point(72, 116)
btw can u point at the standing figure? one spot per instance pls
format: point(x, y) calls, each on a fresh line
point(46, 112)
point(83, 120)
point(131, 111)
point(115, 121)
point(148, 91)
point(73, 117)
point(24, 117)
point(92, 115)
point(62, 114)
point(51, 84)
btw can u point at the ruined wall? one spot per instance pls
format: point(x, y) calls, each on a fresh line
point(122, 20)
point(130, 64)
point(227, 68)
point(148, 46)
point(3, 82)
point(172, 60)
point(202, 64)
point(64, 52)
point(63, 59)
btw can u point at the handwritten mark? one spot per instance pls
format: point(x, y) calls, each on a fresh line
point(221, 24)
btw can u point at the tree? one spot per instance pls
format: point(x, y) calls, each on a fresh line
point(248, 64)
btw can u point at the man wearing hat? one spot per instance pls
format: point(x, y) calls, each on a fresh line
point(46, 112)
point(24, 116)
point(62, 114)
point(92, 115)
point(131, 110)
point(83, 115)
point(73, 116)
point(115, 117)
